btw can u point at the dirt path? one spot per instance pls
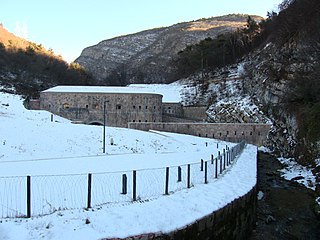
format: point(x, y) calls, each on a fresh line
point(286, 208)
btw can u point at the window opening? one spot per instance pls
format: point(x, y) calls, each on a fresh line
point(66, 105)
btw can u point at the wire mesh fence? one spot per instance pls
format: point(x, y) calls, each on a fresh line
point(41, 195)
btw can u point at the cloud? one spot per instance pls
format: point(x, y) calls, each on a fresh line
point(21, 30)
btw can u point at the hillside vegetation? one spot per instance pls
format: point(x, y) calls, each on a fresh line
point(28, 68)
point(220, 51)
point(276, 63)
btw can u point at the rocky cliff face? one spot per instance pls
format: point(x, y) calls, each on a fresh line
point(222, 91)
point(270, 76)
point(145, 57)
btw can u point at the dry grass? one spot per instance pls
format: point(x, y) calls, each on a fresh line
point(207, 25)
point(6, 37)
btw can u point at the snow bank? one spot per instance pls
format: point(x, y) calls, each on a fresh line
point(296, 172)
point(164, 214)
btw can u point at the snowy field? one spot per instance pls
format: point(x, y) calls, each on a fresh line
point(30, 144)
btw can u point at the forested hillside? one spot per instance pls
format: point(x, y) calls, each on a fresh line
point(27, 68)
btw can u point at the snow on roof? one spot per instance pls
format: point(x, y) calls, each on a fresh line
point(168, 91)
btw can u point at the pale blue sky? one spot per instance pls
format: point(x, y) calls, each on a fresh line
point(68, 26)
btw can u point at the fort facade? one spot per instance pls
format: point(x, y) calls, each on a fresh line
point(141, 109)
point(93, 105)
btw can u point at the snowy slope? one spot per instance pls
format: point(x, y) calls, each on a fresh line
point(30, 144)
point(29, 135)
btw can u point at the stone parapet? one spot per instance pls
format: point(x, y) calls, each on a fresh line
point(235, 221)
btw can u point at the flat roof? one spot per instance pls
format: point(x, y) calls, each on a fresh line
point(98, 89)
point(131, 89)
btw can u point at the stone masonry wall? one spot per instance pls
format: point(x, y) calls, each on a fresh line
point(195, 112)
point(33, 104)
point(121, 108)
point(235, 221)
point(233, 132)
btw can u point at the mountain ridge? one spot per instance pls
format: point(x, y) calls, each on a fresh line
point(144, 57)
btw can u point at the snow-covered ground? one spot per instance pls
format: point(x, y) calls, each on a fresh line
point(30, 144)
point(294, 171)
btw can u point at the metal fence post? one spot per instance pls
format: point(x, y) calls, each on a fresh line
point(201, 165)
point(227, 155)
point(167, 181)
point(232, 155)
point(179, 174)
point(224, 159)
point(134, 185)
point(216, 168)
point(220, 160)
point(188, 176)
point(89, 190)
point(206, 172)
point(28, 196)
point(124, 184)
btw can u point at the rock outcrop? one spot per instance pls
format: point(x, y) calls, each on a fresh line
point(270, 77)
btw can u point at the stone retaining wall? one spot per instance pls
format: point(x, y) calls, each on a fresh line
point(195, 112)
point(233, 132)
point(234, 221)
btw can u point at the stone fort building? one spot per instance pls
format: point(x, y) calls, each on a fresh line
point(142, 109)
point(90, 104)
